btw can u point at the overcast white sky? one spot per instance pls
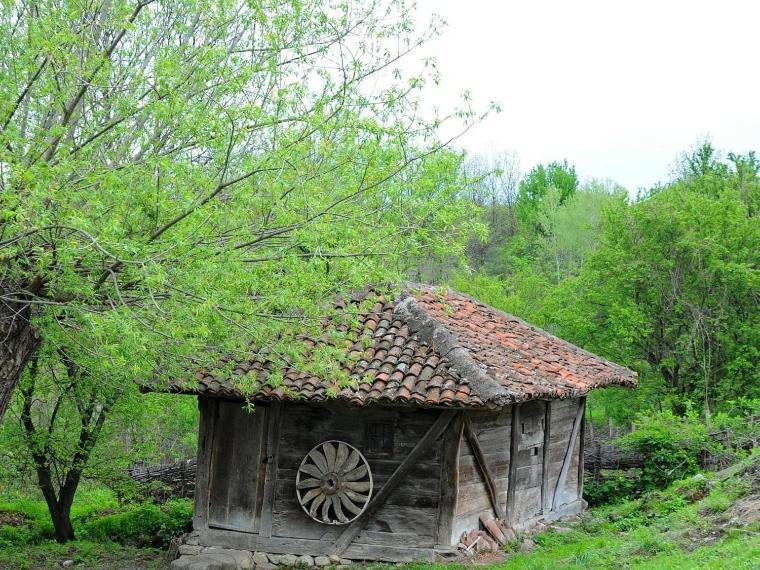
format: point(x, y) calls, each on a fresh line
point(618, 88)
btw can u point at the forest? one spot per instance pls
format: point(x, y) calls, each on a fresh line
point(185, 180)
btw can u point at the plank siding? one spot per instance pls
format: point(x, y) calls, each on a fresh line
point(528, 469)
point(493, 430)
point(411, 509)
point(562, 418)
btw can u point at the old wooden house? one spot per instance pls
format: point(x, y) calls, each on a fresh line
point(456, 413)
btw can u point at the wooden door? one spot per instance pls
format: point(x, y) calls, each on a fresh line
point(236, 471)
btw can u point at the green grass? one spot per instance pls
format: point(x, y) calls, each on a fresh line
point(109, 535)
point(85, 554)
point(688, 526)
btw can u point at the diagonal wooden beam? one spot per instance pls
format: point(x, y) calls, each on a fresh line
point(485, 470)
point(569, 453)
point(353, 529)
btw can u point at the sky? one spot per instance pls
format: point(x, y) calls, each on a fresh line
point(618, 88)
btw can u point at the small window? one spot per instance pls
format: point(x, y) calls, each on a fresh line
point(535, 451)
point(379, 437)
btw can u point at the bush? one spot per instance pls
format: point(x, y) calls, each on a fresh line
point(11, 536)
point(671, 447)
point(143, 525)
point(608, 490)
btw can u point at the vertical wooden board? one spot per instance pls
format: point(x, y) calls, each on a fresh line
point(236, 481)
point(545, 506)
point(566, 487)
point(514, 445)
point(270, 469)
point(579, 455)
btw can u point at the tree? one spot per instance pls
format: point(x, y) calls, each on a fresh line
point(494, 181)
point(539, 182)
point(173, 173)
point(183, 180)
point(672, 289)
point(569, 229)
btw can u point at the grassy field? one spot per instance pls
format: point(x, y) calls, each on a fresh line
point(701, 522)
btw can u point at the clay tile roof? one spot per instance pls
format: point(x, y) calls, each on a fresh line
point(435, 347)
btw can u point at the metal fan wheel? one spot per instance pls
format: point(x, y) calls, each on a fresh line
point(334, 483)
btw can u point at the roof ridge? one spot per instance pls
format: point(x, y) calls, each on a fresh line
point(446, 343)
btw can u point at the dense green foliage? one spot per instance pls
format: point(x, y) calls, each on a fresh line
point(183, 180)
point(97, 517)
point(667, 284)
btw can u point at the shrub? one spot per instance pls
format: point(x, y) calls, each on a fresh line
point(671, 447)
point(608, 490)
point(144, 524)
point(11, 536)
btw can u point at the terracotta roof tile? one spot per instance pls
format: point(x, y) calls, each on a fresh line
point(434, 347)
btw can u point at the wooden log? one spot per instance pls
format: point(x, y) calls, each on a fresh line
point(569, 453)
point(354, 528)
point(358, 551)
point(485, 470)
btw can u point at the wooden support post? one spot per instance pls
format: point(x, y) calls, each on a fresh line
point(208, 412)
point(353, 529)
point(270, 480)
point(452, 440)
point(581, 449)
point(569, 453)
point(545, 506)
point(485, 470)
point(513, 451)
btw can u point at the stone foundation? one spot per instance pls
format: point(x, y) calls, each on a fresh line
point(196, 557)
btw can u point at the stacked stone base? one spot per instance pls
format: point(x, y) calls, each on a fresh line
point(196, 557)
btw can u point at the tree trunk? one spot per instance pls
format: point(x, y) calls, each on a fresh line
point(64, 530)
point(19, 340)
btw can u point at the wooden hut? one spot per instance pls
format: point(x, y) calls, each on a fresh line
point(457, 414)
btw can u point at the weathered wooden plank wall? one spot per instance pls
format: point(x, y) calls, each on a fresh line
point(563, 415)
point(526, 501)
point(493, 430)
point(411, 510)
point(443, 494)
